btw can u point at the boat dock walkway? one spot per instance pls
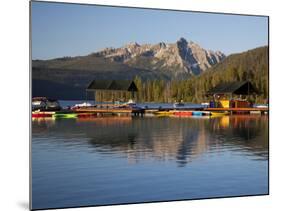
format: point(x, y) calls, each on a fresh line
point(142, 111)
point(93, 111)
point(112, 111)
point(239, 110)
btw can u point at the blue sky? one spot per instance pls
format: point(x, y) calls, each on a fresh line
point(72, 30)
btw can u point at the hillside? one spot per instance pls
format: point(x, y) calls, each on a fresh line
point(251, 65)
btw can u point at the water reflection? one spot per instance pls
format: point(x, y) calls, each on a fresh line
point(163, 139)
point(243, 133)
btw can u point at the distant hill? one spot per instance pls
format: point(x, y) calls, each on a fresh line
point(251, 65)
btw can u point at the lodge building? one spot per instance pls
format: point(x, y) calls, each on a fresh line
point(232, 94)
point(111, 90)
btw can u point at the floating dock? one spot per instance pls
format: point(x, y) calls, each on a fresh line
point(112, 111)
point(239, 110)
point(90, 112)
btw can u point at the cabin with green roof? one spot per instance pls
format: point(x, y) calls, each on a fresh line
point(232, 94)
point(111, 90)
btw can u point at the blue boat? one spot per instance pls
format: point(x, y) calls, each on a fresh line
point(197, 113)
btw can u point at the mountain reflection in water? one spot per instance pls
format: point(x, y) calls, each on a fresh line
point(165, 138)
point(74, 160)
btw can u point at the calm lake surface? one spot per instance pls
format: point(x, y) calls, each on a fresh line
point(114, 160)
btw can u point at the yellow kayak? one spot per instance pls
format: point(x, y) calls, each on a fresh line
point(164, 113)
point(217, 113)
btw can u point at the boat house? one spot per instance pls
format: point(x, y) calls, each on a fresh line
point(232, 95)
point(111, 90)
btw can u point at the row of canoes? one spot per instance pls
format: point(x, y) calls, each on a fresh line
point(57, 115)
point(69, 115)
point(189, 113)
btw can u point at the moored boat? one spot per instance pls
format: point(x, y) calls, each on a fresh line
point(65, 115)
point(38, 103)
point(205, 104)
point(86, 115)
point(261, 106)
point(81, 105)
point(197, 113)
point(163, 113)
point(178, 104)
point(217, 113)
point(131, 103)
point(45, 104)
point(40, 114)
point(201, 113)
point(182, 113)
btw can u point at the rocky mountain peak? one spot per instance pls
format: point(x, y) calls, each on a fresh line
point(182, 41)
point(132, 45)
point(162, 45)
point(173, 60)
point(180, 57)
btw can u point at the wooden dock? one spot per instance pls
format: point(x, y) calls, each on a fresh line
point(112, 111)
point(127, 111)
point(140, 111)
point(239, 110)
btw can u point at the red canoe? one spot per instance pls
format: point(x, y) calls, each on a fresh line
point(183, 113)
point(86, 115)
point(41, 114)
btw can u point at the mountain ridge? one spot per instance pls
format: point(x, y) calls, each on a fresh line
point(174, 60)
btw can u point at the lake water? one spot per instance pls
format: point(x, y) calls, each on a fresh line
point(112, 160)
